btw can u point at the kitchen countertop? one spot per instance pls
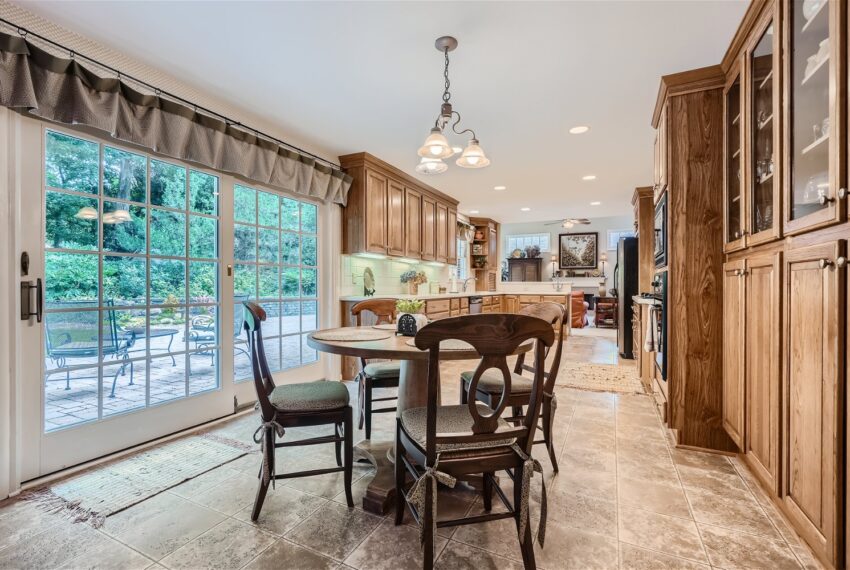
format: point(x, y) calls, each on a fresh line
point(644, 300)
point(424, 297)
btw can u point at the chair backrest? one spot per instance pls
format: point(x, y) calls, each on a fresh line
point(237, 318)
point(555, 315)
point(494, 336)
point(383, 309)
point(253, 316)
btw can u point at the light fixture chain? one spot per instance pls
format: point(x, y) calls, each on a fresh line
point(446, 94)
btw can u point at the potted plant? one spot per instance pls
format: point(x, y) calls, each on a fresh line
point(413, 279)
point(414, 308)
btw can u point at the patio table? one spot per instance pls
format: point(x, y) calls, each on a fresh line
point(412, 393)
point(141, 332)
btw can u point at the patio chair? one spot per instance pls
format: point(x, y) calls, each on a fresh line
point(202, 333)
point(62, 345)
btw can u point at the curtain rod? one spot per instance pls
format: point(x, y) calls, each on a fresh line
point(159, 92)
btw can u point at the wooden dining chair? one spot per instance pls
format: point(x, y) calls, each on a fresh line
point(491, 386)
point(381, 374)
point(442, 443)
point(295, 405)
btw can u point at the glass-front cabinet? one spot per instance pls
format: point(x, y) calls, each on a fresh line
point(814, 87)
point(763, 187)
point(733, 161)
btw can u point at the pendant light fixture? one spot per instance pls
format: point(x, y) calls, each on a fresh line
point(436, 146)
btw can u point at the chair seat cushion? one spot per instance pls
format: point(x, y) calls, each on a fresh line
point(451, 419)
point(492, 382)
point(310, 396)
point(390, 369)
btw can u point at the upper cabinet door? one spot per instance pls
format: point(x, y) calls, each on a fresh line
point(763, 196)
point(815, 124)
point(442, 232)
point(452, 236)
point(395, 218)
point(413, 223)
point(660, 177)
point(376, 212)
point(429, 228)
point(733, 147)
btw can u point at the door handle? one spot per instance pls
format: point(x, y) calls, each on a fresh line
point(26, 309)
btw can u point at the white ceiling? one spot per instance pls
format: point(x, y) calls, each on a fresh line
point(347, 77)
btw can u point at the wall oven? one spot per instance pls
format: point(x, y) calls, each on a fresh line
point(659, 291)
point(661, 232)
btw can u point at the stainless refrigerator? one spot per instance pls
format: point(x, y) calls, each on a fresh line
point(626, 287)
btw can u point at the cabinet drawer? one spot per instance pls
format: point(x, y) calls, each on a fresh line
point(455, 303)
point(529, 299)
point(439, 306)
point(560, 299)
point(438, 316)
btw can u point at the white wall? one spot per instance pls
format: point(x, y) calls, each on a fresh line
point(387, 273)
point(600, 225)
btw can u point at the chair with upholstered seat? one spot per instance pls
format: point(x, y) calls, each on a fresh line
point(490, 387)
point(295, 405)
point(442, 443)
point(383, 374)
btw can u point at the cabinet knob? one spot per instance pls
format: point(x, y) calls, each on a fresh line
point(841, 262)
point(842, 193)
point(824, 200)
point(824, 263)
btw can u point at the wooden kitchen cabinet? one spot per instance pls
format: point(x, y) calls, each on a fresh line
point(413, 223)
point(660, 152)
point(442, 233)
point(813, 395)
point(733, 351)
point(395, 219)
point(391, 213)
point(733, 157)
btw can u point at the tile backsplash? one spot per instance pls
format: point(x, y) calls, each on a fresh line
point(387, 273)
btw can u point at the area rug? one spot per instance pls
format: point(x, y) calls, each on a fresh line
point(600, 378)
point(94, 495)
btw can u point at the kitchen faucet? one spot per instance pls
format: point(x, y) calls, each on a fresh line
point(466, 282)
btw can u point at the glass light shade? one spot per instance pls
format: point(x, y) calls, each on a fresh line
point(603, 256)
point(431, 166)
point(436, 146)
point(473, 156)
point(86, 213)
point(568, 225)
point(117, 217)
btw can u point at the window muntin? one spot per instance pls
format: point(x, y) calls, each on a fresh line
point(131, 277)
point(521, 241)
point(276, 264)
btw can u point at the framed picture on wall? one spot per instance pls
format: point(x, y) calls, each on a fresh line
point(578, 250)
point(615, 235)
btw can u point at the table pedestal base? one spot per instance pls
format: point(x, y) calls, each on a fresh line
point(380, 493)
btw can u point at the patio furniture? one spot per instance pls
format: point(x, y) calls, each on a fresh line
point(142, 332)
point(375, 374)
point(491, 386)
point(295, 405)
point(77, 340)
point(202, 332)
point(442, 443)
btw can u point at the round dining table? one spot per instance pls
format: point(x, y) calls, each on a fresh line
point(412, 393)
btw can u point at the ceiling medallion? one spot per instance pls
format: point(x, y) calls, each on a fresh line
point(436, 146)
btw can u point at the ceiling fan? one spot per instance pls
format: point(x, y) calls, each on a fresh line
point(569, 222)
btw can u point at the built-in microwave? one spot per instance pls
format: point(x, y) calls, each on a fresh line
point(661, 232)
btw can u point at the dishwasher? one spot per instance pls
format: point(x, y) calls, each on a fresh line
point(475, 304)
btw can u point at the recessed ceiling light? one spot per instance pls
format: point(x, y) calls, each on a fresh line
point(589, 177)
point(499, 187)
point(595, 203)
point(579, 130)
point(473, 211)
point(525, 209)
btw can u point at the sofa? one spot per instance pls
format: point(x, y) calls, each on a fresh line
point(578, 308)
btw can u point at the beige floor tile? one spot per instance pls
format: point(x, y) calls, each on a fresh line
point(498, 537)
point(733, 512)
point(459, 556)
point(571, 548)
point(671, 535)
point(391, 547)
point(329, 485)
point(204, 482)
point(586, 482)
point(592, 514)
point(21, 520)
point(635, 558)
point(807, 559)
point(232, 544)
point(162, 524)
point(713, 480)
point(334, 530)
point(283, 508)
point(702, 460)
point(53, 547)
point(449, 506)
point(733, 549)
point(650, 496)
point(284, 554)
point(636, 467)
point(231, 496)
point(589, 459)
point(110, 555)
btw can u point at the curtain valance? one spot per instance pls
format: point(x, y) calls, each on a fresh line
point(64, 91)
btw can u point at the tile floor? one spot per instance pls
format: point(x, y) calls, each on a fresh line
point(623, 499)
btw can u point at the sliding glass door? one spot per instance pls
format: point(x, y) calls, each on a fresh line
point(145, 262)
